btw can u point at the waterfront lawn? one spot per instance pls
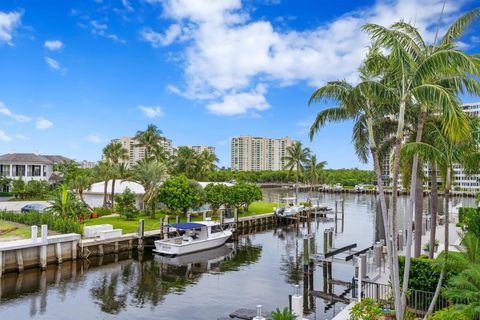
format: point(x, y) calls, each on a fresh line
point(131, 226)
point(11, 229)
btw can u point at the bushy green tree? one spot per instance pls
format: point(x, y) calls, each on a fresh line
point(216, 195)
point(180, 194)
point(18, 188)
point(125, 204)
point(246, 193)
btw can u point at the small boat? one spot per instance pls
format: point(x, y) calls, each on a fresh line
point(209, 257)
point(290, 209)
point(193, 237)
point(359, 187)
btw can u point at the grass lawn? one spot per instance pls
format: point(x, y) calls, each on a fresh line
point(130, 226)
point(21, 230)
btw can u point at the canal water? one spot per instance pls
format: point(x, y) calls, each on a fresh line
point(258, 268)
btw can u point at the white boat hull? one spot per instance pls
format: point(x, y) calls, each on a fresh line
point(169, 248)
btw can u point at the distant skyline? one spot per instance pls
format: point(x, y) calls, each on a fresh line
point(76, 74)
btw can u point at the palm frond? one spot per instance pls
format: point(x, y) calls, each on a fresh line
point(457, 30)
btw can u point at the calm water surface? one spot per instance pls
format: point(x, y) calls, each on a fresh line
point(258, 268)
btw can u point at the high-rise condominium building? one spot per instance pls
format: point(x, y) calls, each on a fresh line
point(137, 152)
point(259, 153)
point(210, 149)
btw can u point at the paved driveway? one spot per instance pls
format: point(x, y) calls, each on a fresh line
point(17, 205)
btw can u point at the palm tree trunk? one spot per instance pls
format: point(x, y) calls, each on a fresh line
point(80, 195)
point(434, 209)
point(409, 219)
point(113, 193)
point(445, 257)
point(387, 223)
point(418, 217)
point(105, 191)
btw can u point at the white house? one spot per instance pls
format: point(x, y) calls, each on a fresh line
point(28, 166)
point(94, 196)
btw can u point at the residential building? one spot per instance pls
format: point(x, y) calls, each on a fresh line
point(87, 164)
point(259, 153)
point(29, 166)
point(137, 152)
point(93, 196)
point(200, 149)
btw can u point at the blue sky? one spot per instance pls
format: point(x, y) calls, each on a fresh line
point(75, 74)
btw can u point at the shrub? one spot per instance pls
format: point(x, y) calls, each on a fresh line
point(125, 204)
point(423, 275)
point(54, 222)
point(284, 314)
point(102, 211)
point(367, 309)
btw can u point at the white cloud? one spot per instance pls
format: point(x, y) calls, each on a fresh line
point(100, 29)
point(7, 112)
point(127, 5)
point(230, 53)
point(54, 64)
point(94, 138)
point(4, 137)
point(240, 103)
point(21, 137)
point(152, 112)
point(8, 22)
point(53, 45)
point(157, 39)
point(43, 124)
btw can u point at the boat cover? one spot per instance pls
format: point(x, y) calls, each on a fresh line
point(186, 225)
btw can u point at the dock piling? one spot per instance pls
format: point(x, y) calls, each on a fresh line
point(34, 233)
point(44, 233)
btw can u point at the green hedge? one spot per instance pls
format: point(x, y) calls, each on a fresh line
point(35, 218)
point(464, 212)
point(422, 274)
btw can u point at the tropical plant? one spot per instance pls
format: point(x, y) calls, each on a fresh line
point(296, 158)
point(464, 289)
point(285, 314)
point(366, 309)
point(314, 170)
point(186, 162)
point(247, 193)
point(206, 162)
point(151, 175)
point(149, 139)
point(216, 195)
point(65, 204)
point(103, 172)
point(114, 153)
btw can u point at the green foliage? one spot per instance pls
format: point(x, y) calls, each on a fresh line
point(423, 275)
point(54, 222)
point(66, 205)
point(216, 195)
point(367, 309)
point(464, 212)
point(102, 211)
point(126, 204)
point(33, 189)
point(180, 194)
point(284, 314)
point(245, 194)
point(18, 188)
point(449, 314)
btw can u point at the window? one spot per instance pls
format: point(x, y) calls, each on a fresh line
point(4, 169)
point(19, 170)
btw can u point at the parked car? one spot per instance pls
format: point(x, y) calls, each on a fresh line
point(38, 207)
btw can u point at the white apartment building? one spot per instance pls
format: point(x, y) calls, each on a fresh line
point(137, 152)
point(461, 180)
point(85, 164)
point(28, 166)
point(200, 149)
point(259, 153)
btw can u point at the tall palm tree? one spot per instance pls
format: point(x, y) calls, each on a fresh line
point(185, 162)
point(445, 152)
point(150, 174)
point(314, 170)
point(206, 163)
point(113, 153)
point(103, 172)
point(149, 139)
point(295, 159)
point(427, 76)
point(81, 182)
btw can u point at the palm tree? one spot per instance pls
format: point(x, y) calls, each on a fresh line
point(113, 153)
point(185, 162)
point(427, 76)
point(81, 182)
point(206, 163)
point(103, 172)
point(295, 159)
point(445, 152)
point(150, 174)
point(314, 170)
point(149, 139)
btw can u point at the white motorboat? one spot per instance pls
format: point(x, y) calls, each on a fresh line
point(193, 237)
point(290, 209)
point(208, 258)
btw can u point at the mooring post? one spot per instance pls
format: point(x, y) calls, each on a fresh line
point(34, 233)
point(306, 249)
point(360, 271)
point(343, 215)
point(325, 241)
point(177, 219)
point(297, 303)
point(43, 257)
point(259, 313)
point(235, 212)
point(58, 252)
point(44, 233)
point(330, 239)
point(189, 217)
point(222, 217)
point(363, 259)
point(312, 244)
point(141, 234)
point(336, 215)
